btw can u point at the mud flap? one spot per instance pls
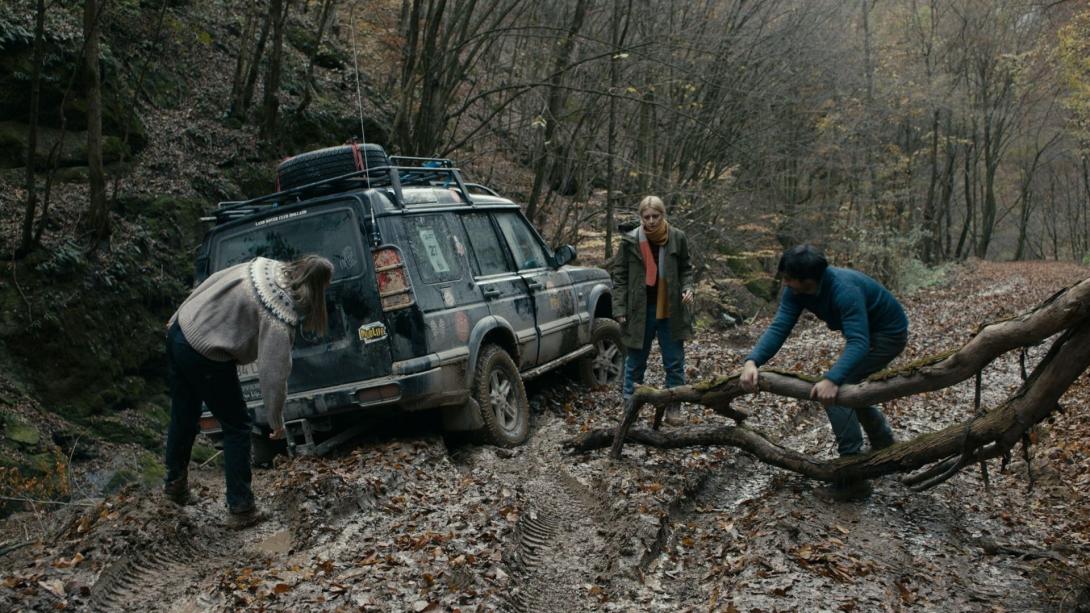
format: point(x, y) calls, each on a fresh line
point(465, 418)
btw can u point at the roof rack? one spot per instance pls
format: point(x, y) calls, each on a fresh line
point(409, 171)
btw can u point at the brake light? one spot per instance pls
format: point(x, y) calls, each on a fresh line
point(209, 424)
point(395, 290)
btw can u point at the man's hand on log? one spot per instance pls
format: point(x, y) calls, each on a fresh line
point(750, 376)
point(824, 392)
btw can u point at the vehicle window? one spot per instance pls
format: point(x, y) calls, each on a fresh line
point(438, 251)
point(488, 251)
point(524, 246)
point(332, 234)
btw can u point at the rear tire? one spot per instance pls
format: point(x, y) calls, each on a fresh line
point(498, 389)
point(606, 366)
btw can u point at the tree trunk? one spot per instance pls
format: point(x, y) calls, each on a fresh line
point(546, 147)
point(308, 80)
point(98, 221)
point(27, 242)
point(278, 13)
point(930, 223)
point(617, 36)
point(243, 106)
point(238, 80)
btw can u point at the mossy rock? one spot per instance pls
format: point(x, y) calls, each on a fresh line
point(118, 480)
point(14, 139)
point(20, 432)
point(763, 287)
point(114, 430)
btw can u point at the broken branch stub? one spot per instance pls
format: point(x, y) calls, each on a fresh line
point(988, 435)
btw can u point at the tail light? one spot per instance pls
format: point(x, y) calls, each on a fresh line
point(395, 290)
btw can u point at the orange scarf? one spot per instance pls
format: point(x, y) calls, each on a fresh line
point(655, 271)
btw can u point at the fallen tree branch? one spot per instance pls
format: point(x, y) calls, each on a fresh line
point(986, 436)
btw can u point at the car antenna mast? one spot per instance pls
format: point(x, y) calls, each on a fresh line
point(375, 238)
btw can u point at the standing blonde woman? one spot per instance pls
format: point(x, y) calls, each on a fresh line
point(653, 279)
point(239, 315)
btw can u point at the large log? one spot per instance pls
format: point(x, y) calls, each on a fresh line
point(988, 435)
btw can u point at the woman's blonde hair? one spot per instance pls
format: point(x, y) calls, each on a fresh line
point(308, 277)
point(652, 202)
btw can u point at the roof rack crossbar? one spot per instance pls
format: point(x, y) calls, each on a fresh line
point(236, 209)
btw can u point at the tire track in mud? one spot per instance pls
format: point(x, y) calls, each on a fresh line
point(557, 545)
point(147, 576)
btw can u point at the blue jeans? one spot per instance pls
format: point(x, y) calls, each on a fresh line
point(846, 421)
point(195, 379)
point(673, 355)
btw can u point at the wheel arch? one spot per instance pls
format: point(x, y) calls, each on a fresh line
point(490, 330)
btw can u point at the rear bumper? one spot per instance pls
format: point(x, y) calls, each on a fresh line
point(409, 389)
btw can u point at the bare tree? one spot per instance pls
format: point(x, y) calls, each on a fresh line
point(98, 222)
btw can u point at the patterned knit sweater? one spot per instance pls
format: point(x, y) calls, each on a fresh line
point(242, 314)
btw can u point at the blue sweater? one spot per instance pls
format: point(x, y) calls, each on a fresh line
point(847, 300)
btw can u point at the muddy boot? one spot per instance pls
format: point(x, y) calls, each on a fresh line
point(845, 491)
point(245, 517)
point(673, 415)
point(177, 491)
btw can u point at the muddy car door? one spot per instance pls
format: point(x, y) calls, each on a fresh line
point(505, 291)
point(554, 300)
point(355, 347)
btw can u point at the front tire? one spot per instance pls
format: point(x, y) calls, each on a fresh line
point(606, 367)
point(498, 389)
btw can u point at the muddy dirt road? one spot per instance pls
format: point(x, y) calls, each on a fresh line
point(404, 522)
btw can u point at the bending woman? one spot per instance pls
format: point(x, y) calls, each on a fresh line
point(239, 315)
point(653, 280)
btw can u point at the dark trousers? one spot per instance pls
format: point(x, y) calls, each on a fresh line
point(673, 355)
point(846, 421)
point(194, 379)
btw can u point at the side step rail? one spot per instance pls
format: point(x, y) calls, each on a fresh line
point(557, 363)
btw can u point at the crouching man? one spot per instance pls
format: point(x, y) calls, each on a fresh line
point(875, 329)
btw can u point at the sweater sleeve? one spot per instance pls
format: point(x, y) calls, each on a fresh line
point(273, 367)
point(853, 316)
point(685, 264)
point(772, 339)
point(620, 282)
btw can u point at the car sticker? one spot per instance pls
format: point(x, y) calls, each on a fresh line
point(372, 332)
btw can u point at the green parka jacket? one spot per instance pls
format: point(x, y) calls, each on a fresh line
point(630, 292)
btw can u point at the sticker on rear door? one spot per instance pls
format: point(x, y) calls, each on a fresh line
point(373, 332)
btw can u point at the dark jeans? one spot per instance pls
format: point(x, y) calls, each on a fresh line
point(195, 379)
point(673, 355)
point(846, 421)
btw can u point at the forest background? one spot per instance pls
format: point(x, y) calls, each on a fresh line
point(902, 135)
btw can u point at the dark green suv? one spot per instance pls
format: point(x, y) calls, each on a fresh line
point(444, 296)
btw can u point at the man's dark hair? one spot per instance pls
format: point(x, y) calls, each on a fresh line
point(803, 262)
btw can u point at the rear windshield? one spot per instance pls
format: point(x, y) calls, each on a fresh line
point(332, 234)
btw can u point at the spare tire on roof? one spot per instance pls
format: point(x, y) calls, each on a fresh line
point(313, 166)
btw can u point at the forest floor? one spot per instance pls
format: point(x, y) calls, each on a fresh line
point(400, 521)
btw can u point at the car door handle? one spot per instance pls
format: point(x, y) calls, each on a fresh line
point(491, 292)
point(535, 285)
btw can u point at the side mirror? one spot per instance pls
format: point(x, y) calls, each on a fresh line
point(564, 254)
